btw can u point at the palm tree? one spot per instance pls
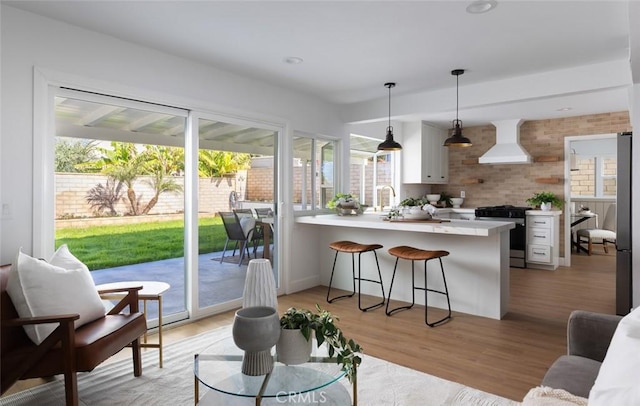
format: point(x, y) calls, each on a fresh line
point(162, 162)
point(105, 197)
point(123, 163)
point(213, 164)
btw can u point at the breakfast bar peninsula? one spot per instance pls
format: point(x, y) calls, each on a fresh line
point(477, 268)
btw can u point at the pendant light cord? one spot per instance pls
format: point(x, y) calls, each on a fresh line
point(389, 106)
point(457, 97)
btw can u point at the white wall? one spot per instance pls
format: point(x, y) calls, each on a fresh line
point(29, 41)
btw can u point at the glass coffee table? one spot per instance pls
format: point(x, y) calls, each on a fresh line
point(219, 366)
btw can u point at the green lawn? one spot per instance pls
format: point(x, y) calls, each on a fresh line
point(102, 247)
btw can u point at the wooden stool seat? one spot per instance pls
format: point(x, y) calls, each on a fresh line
point(416, 254)
point(353, 248)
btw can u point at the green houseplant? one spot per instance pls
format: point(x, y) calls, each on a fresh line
point(322, 323)
point(344, 203)
point(545, 197)
point(413, 201)
point(446, 198)
point(339, 199)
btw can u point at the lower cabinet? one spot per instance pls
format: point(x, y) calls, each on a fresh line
point(543, 239)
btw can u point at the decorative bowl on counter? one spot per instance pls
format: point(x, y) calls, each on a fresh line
point(344, 212)
point(456, 202)
point(433, 199)
point(417, 215)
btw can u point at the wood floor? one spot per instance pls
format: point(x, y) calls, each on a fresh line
point(506, 357)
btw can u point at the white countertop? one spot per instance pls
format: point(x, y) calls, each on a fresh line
point(374, 221)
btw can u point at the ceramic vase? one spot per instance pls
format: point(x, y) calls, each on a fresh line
point(256, 330)
point(292, 348)
point(545, 206)
point(260, 285)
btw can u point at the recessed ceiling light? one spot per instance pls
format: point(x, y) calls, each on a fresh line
point(564, 109)
point(293, 60)
point(481, 6)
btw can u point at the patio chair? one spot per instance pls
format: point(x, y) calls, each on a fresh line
point(257, 236)
point(263, 212)
point(235, 233)
point(243, 212)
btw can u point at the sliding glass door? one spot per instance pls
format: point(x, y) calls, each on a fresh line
point(237, 175)
point(119, 190)
point(139, 188)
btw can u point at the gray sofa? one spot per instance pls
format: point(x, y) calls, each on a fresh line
point(588, 338)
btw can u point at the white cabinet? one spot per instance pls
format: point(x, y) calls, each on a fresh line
point(424, 158)
point(543, 239)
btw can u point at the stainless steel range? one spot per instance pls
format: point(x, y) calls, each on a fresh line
point(517, 236)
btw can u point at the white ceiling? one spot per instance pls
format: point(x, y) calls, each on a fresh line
point(524, 59)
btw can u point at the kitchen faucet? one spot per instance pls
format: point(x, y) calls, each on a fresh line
point(392, 193)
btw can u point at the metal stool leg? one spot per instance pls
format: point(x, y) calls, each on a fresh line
point(426, 290)
point(413, 295)
point(360, 279)
point(331, 280)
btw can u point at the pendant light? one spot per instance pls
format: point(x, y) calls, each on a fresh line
point(389, 144)
point(457, 139)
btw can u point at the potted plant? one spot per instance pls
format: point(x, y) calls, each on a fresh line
point(545, 200)
point(322, 324)
point(446, 199)
point(344, 203)
point(414, 201)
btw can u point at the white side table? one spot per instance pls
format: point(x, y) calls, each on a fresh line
point(151, 290)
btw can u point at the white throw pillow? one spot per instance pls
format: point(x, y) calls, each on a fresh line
point(618, 382)
point(247, 224)
point(546, 396)
point(63, 286)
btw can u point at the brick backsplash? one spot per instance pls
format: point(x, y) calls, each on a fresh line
point(514, 183)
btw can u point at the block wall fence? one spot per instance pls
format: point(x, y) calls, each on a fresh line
point(255, 184)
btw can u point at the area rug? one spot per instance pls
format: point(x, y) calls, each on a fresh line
point(379, 383)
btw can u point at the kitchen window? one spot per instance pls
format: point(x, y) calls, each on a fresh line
point(369, 169)
point(314, 169)
point(596, 176)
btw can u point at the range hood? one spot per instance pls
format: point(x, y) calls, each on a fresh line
point(507, 149)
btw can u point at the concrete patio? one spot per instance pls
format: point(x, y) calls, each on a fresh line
point(218, 282)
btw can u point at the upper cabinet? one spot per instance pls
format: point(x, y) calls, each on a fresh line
point(424, 158)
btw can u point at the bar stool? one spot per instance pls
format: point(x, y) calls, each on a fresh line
point(415, 254)
point(353, 248)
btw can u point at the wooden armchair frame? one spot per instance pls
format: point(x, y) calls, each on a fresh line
point(79, 349)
